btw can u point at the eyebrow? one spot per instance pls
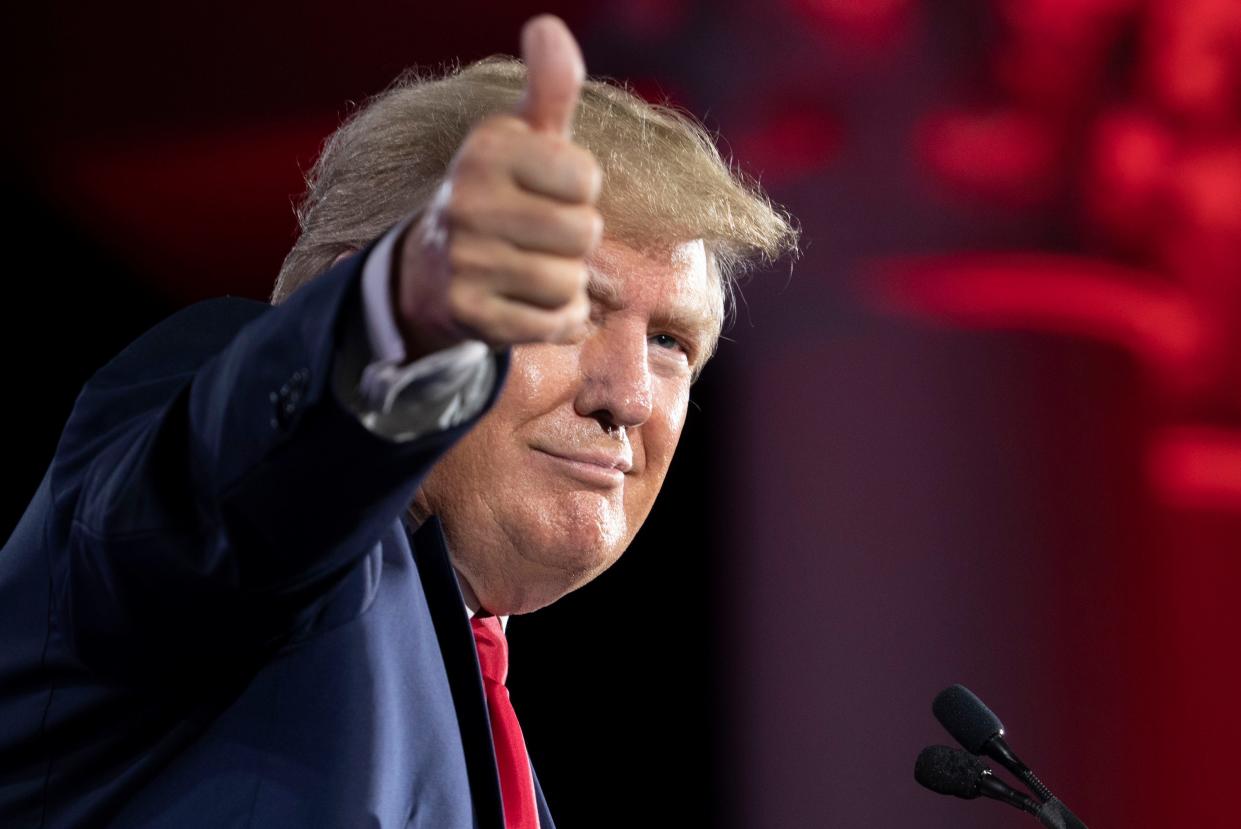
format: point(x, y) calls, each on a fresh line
point(604, 290)
point(681, 317)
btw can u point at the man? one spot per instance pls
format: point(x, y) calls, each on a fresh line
point(259, 583)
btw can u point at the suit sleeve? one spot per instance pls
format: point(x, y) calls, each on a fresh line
point(391, 395)
point(210, 488)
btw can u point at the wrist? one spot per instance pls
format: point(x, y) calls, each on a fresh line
point(422, 330)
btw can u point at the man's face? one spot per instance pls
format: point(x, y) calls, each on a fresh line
point(548, 489)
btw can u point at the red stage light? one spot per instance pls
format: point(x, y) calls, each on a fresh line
point(1192, 59)
point(1075, 296)
point(1128, 156)
point(171, 204)
point(1196, 468)
point(1006, 156)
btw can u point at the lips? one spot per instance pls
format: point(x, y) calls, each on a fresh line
point(597, 469)
point(621, 461)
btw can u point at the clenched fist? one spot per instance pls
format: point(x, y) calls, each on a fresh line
point(500, 253)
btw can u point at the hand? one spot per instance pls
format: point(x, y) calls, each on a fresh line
point(500, 253)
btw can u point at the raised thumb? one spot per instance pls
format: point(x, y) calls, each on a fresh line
point(554, 74)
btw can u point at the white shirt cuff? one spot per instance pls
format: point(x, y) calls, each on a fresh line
point(402, 401)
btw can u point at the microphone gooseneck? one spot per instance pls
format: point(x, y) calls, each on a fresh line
point(960, 773)
point(1055, 815)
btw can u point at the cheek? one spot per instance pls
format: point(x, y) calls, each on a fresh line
point(538, 379)
point(492, 449)
point(541, 370)
point(662, 432)
point(676, 404)
point(528, 371)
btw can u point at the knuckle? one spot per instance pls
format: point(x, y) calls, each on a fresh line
point(485, 148)
point(582, 308)
point(569, 322)
point(485, 140)
point(551, 326)
point(463, 303)
point(586, 228)
point(596, 228)
point(575, 279)
point(473, 159)
point(589, 176)
point(468, 207)
point(511, 328)
point(559, 283)
point(577, 169)
point(461, 257)
point(483, 145)
point(459, 206)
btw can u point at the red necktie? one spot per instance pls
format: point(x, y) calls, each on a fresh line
point(516, 783)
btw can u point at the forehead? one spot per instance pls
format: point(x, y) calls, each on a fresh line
point(672, 279)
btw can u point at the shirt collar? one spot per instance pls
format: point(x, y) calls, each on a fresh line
point(471, 601)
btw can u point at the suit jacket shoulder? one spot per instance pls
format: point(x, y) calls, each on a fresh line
point(212, 613)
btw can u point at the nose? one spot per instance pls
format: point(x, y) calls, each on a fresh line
point(616, 377)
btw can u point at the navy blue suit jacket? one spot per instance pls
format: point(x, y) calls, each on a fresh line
point(212, 614)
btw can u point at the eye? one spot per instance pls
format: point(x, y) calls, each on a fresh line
point(667, 341)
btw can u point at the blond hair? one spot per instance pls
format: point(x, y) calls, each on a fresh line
point(664, 181)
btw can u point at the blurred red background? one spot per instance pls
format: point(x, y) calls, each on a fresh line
point(988, 430)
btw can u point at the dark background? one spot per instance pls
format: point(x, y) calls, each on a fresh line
point(985, 431)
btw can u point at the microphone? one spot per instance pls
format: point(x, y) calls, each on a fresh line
point(952, 771)
point(946, 770)
point(976, 727)
point(979, 731)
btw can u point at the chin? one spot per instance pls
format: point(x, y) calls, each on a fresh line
point(573, 560)
point(546, 572)
point(525, 553)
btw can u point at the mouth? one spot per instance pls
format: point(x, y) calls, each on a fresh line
point(596, 469)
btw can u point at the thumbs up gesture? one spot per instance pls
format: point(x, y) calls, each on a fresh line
point(500, 253)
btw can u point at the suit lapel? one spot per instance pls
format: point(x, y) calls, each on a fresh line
point(443, 594)
point(545, 814)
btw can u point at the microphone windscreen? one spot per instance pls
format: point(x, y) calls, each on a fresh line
point(966, 718)
point(949, 771)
